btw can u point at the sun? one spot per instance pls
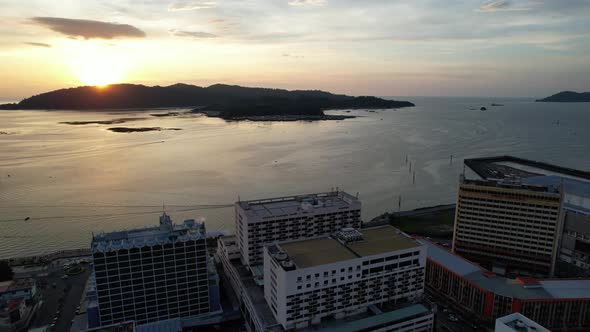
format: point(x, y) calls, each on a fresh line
point(99, 73)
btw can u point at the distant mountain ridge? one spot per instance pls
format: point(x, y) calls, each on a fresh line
point(568, 97)
point(230, 100)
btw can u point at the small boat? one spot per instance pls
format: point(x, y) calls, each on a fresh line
point(27, 218)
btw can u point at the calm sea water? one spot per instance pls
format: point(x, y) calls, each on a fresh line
point(74, 180)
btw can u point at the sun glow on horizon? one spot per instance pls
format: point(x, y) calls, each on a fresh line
point(94, 66)
point(99, 74)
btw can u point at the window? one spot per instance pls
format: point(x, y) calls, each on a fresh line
point(299, 279)
point(299, 287)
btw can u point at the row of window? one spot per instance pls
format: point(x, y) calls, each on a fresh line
point(512, 195)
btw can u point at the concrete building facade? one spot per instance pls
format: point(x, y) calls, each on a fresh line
point(334, 277)
point(508, 226)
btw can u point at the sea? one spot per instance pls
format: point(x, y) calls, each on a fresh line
point(62, 183)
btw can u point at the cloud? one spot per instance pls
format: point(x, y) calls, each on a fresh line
point(506, 5)
point(301, 3)
point(89, 29)
point(181, 5)
point(288, 55)
point(38, 44)
point(216, 21)
point(193, 34)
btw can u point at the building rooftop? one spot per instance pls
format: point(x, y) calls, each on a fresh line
point(371, 322)
point(501, 167)
point(520, 288)
point(376, 240)
point(520, 323)
point(305, 253)
point(572, 186)
point(167, 232)
point(382, 239)
point(256, 295)
point(312, 203)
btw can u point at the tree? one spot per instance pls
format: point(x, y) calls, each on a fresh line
point(5, 271)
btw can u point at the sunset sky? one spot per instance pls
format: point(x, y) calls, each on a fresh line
point(378, 47)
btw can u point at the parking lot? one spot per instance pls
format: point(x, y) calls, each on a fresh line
point(61, 296)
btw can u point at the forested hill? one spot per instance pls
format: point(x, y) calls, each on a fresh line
point(226, 98)
point(568, 97)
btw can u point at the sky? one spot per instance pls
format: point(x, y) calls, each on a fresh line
point(504, 48)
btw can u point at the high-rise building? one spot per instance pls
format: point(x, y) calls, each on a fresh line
point(337, 276)
point(517, 216)
point(261, 222)
point(506, 225)
point(153, 274)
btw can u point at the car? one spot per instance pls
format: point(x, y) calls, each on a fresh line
point(453, 318)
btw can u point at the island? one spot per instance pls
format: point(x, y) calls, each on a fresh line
point(230, 102)
point(139, 130)
point(568, 97)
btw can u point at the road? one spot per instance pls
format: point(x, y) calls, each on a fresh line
point(443, 321)
point(65, 298)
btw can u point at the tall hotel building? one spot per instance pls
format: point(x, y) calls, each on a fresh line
point(519, 216)
point(153, 274)
point(510, 223)
point(310, 280)
point(266, 221)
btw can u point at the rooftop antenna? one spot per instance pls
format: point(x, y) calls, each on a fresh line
point(239, 200)
point(357, 195)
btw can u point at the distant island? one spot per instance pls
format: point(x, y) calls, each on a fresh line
point(568, 97)
point(220, 100)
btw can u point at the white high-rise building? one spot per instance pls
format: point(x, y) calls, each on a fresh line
point(337, 276)
point(261, 222)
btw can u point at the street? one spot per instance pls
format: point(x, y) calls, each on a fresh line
point(64, 298)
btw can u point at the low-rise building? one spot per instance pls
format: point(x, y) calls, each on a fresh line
point(484, 296)
point(341, 275)
point(18, 288)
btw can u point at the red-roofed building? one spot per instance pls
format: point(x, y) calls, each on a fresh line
point(482, 295)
